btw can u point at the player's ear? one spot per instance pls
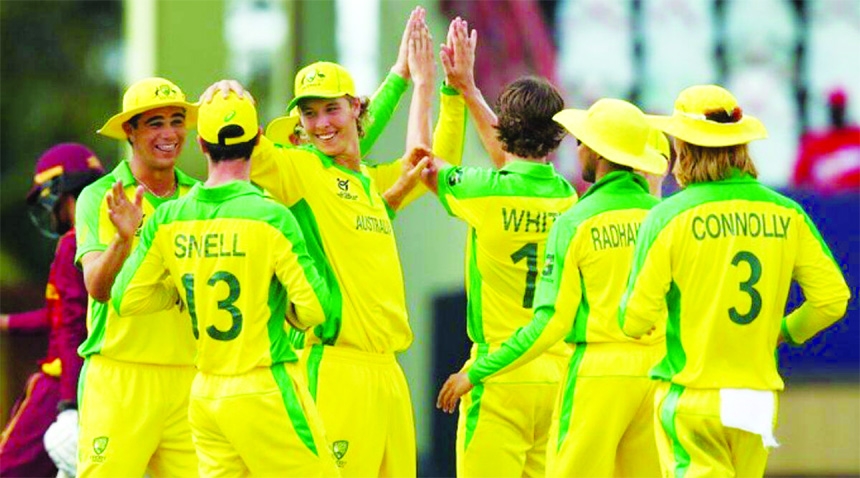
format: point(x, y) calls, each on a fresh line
point(202, 145)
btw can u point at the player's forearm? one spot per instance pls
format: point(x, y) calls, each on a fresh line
point(485, 122)
point(634, 325)
point(418, 132)
point(101, 269)
point(808, 320)
point(525, 345)
point(382, 105)
point(449, 133)
point(30, 322)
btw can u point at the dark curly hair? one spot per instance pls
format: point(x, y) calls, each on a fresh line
point(525, 108)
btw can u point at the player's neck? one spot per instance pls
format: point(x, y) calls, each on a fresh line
point(509, 158)
point(349, 159)
point(160, 182)
point(223, 172)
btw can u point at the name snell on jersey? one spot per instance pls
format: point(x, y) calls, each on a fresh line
point(213, 244)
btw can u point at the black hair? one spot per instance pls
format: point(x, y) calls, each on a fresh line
point(224, 152)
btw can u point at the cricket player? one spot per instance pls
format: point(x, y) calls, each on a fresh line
point(50, 400)
point(503, 424)
point(138, 370)
point(602, 425)
point(717, 259)
point(345, 209)
point(286, 130)
point(239, 264)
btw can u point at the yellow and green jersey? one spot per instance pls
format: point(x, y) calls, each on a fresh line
point(239, 264)
point(509, 213)
point(588, 256)
point(347, 226)
point(155, 338)
point(717, 260)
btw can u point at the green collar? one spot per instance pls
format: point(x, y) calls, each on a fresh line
point(530, 168)
point(618, 182)
point(224, 192)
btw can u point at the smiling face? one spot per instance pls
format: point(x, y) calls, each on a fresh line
point(158, 137)
point(330, 123)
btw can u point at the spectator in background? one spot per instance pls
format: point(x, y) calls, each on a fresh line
point(61, 174)
point(829, 160)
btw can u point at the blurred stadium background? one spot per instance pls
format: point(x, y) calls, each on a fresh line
point(65, 64)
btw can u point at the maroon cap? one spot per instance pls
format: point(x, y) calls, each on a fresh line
point(67, 160)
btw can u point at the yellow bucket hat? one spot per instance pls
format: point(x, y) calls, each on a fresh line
point(708, 115)
point(659, 142)
point(221, 112)
point(616, 130)
point(280, 128)
point(321, 80)
point(148, 94)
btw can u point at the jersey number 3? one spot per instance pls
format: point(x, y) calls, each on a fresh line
point(747, 287)
point(224, 304)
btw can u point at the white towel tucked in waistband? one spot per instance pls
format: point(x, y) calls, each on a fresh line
point(749, 410)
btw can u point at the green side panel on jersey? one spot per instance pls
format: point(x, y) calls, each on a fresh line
point(474, 311)
point(95, 339)
point(568, 392)
point(675, 359)
point(294, 407)
point(329, 330)
point(280, 348)
point(667, 420)
point(475, 395)
point(314, 360)
point(580, 323)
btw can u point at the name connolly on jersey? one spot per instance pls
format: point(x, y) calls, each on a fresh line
point(747, 224)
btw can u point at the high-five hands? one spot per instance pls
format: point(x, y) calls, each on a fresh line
point(401, 65)
point(458, 55)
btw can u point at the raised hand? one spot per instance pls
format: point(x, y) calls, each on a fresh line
point(458, 55)
point(125, 215)
point(225, 87)
point(422, 64)
point(401, 65)
point(456, 386)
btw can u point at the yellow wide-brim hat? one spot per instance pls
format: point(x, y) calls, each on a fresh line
point(616, 130)
point(708, 115)
point(148, 94)
point(281, 128)
point(220, 112)
point(322, 79)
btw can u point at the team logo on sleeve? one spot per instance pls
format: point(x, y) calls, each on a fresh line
point(343, 190)
point(548, 265)
point(455, 178)
point(339, 449)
